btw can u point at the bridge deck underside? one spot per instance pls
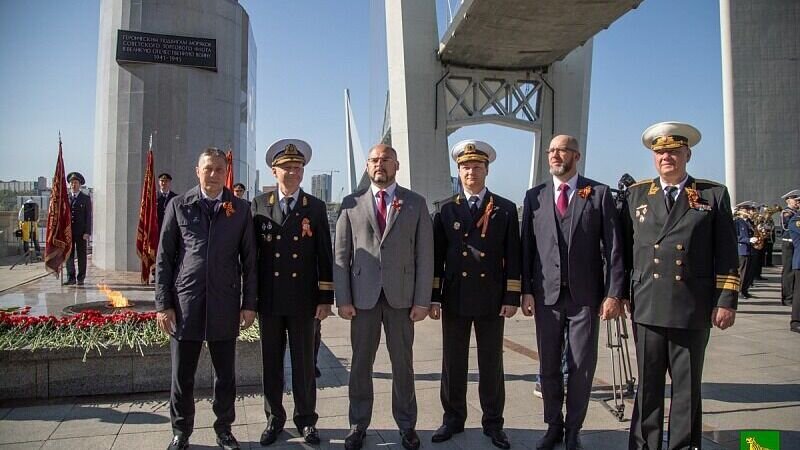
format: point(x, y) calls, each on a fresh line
point(525, 34)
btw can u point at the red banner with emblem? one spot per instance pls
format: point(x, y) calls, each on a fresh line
point(147, 231)
point(229, 175)
point(58, 243)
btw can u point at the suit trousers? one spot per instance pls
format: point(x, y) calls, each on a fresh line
point(79, 250)
point(787, 277)
point(456, 331)
point(582, 328)
point(365, 335)
point(300, 331)
point(185, 355)
point(680, 352)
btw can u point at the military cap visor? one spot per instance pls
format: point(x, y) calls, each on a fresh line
point(670, 135)
point(288, 150)
point(76, 176)
point(794, 193)
point(165, 176)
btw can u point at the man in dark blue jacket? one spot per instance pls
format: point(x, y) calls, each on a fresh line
point(81, 208)
point(744, 234)
point(203, 295)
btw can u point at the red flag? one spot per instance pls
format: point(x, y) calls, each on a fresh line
point(58, 244)
point(147, 231)
point(229, 176)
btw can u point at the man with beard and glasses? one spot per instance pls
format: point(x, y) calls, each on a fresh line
point(572, 273)
point(383, 275)
point(681, 257)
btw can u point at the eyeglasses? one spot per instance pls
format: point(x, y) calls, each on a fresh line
point(560, 150)
point(376, 161)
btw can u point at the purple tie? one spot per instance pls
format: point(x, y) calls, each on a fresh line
point(563, 199)
point(382, 211)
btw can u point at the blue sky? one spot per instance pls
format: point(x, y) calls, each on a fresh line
point(644, 71)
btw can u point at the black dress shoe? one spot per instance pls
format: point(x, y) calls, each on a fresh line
point(744, 294)
point(354, 439)
point(69, 282)
point(311, 435)
point(499, 438)
point(179, 443)
point(554, 435)
point(80, 283)
point(445, 432)
point(572, 439)
point(270, 435)
point(227, 441)
point(409, 439)
point(795, 327)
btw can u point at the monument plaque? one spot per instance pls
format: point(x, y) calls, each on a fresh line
point(135, 46)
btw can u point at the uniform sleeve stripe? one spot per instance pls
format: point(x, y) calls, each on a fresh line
point(513, 285)
point(437, 283)
point(325, 285)
point(728, 286)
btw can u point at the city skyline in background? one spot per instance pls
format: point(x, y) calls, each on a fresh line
point(644, 71)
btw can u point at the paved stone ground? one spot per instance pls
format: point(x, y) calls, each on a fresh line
point(752, 381)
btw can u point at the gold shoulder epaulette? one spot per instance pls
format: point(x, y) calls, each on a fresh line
point(640, 183)
point(708, 182)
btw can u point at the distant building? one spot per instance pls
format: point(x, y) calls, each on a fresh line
point(455, 185)
point(22, 186)
point(321, 186)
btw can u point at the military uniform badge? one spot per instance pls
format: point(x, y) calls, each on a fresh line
point(269, 238)
point(306, 228)
point(456, 226)
point(640, 212)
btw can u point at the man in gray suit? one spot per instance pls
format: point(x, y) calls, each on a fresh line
point(383, 275)
point(572, 271)
point(203, 295)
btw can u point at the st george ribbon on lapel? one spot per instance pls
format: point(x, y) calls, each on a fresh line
point(381, 213)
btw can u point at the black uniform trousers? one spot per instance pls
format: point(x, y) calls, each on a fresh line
point(566, 324)
point(746, 274)
point(456, 331)
point(79, 250)
point(300, 331)
point(680, 352)
point(757, 262)
point(185, 355)
point(796, 298)
point(787, 277)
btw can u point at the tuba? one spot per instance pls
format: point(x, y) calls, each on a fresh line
point(762, 225)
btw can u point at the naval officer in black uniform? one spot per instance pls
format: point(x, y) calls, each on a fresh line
point(682, 260)
point(295, 286)
point(792, 199)
point(81, 207)
point(476, 283)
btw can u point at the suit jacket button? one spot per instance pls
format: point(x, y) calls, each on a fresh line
point(466, 234)
point(294, 255)
point(464, 253)
point(464, 274)
point(656, 260)
point(294, 274)
point(483, 275)
point(656, 246)
point(296, 238)
point(277, 273)
point(656, 276)
point(677, 278)
point(278, 237)
point(678, 262)
point(679, 247)
point(483, 254)
point(277, 255)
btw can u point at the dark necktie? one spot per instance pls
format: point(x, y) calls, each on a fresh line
point(288, 202)
point(212, 204)
point(670, 197)
point(381, 213)
point(473, 206)
point(563, 199)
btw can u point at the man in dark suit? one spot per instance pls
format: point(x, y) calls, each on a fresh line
point(295, 287)
point(680, 254)
point(81, 207)
point(205, 291)
point(572, 272)
point(165, 194)
point(383, 274)
point(476, 283)
point(793, 231)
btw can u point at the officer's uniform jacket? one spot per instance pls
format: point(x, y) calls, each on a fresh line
point(476, 268)
point(683, 263)
point(744, 231)
point(295, 256)
point(205, 266)
point(161, 205)
point(81, 210)
point(786, 215)
point(793, 229)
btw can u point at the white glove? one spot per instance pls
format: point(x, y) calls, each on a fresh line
point(753, 240)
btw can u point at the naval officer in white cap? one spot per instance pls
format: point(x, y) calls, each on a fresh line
point(682, 262)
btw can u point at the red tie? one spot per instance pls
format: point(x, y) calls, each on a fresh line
point(382, 211)
point(563, 199)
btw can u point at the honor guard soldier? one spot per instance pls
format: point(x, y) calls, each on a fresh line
point(165, 194)
point(476, 283)
point(295, 286)
point(81, 208)
point(746, 239)
point(792, 199)
point(794, 234)
point(682, 261)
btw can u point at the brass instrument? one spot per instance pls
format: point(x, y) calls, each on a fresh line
point(763, 224)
